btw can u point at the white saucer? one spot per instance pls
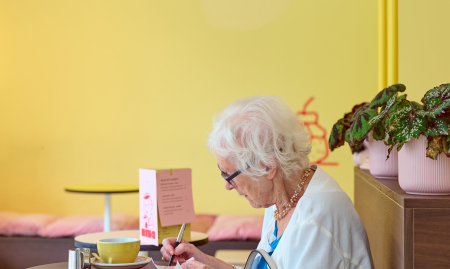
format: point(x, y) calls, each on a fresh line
point(140, 262)
point(160, 264)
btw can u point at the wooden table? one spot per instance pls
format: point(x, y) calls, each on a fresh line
point(404, 230)
point(105, 189)
point(90, 240)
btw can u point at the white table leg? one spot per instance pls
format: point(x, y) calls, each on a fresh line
point(107, 214)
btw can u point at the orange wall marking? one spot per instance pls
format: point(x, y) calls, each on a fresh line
point(317, 135)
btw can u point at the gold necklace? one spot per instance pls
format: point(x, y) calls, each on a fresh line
point(278, 216)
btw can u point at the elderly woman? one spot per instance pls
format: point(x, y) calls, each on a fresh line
point(262, 152)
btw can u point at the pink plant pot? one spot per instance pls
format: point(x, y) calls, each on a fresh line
point(378, 165)
point(418, 174)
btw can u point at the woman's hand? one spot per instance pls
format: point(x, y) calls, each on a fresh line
point(193, 265)
point(183, 252)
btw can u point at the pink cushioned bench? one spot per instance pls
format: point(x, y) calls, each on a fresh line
point(51, 226)
point(46, 238)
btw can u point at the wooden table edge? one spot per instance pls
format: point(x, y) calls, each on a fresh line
point(100, 192)
point(204, 239)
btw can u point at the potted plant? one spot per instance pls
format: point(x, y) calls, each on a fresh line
point(354, 128)
point(421, 134)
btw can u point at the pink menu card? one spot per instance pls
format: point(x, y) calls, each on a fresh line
point(166, 194)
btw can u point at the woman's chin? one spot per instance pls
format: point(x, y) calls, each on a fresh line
point(253, 203)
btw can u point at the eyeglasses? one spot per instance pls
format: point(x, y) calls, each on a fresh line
point(229, 178)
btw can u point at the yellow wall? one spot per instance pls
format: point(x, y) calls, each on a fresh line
point(90, 91)
point(424, 53)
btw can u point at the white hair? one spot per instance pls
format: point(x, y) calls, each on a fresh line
point(259, 132)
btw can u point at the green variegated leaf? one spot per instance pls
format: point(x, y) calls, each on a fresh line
point(383, 113)
point(401, 97)
point(416, 105)
point(349, 140)
point(378, 117)
point(437, 100)
point(433, 102)
point(446, 145)
point(355, 145)
point(390, 150)
point(383, 96)
point(445, 117)
point(337, 136)
point(436, 127)
point(441, 108)
point(358, 111)
point(399, 100)
point(360, 127)
point(442, 91)
point(348, 135)
point(437, 110)
point(387, 135)
point(392, 147)
point(358, 146)
point(358, 107)
point(378, 131)
point(405, 124)
point(388, 138)
point(399, 147)
point(434, 146)
point(423, 113)
point(347, 118)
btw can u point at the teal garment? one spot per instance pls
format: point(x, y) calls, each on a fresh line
point(262, 263)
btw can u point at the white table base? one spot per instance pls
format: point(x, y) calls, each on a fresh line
point(107, 213)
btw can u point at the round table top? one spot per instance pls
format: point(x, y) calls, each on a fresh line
point(65, 265)
point(103, 188)
point(90, 240)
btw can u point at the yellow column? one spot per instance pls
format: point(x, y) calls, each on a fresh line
point(392, 42)
point(382, 45)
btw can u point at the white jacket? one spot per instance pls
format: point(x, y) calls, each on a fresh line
point(324, 231)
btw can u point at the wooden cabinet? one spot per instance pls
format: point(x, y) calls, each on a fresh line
point(404, 230)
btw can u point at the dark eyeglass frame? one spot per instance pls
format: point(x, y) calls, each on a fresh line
point(228, 179)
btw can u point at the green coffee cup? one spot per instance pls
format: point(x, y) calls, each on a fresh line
point(118, 250)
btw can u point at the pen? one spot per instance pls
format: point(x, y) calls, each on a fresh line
point(180, 235)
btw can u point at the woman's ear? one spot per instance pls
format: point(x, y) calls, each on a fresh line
point(271, 169)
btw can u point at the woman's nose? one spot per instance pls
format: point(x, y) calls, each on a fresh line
point(228, 186)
